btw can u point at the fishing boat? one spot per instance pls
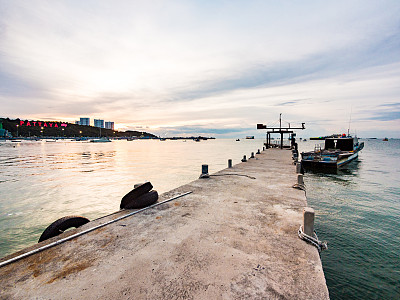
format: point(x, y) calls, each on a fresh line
point(250, 137)
point(337, 152)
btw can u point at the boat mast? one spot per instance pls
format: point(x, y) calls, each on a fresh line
point(348, 130)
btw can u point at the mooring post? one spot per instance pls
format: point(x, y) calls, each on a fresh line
point(229, 163)
point(252, 155)
point(263, 148)
point(308, 221)
point(298, 167)
point(204, 171)
point(300, 179)
point(244, 158)
point(258, 151)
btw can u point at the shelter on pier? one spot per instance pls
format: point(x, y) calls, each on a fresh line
point(281, 130)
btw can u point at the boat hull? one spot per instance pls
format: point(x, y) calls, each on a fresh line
point(329, 160)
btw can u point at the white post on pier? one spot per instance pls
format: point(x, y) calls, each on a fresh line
point(308, 221)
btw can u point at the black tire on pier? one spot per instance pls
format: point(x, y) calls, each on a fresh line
point(143, 201)
point(135, 193)
point(62, 225)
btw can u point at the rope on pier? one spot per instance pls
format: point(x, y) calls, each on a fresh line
point(232, 174)
point(313, 240)
point(299, 186)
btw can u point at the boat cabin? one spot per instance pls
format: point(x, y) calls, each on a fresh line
point(343, 144)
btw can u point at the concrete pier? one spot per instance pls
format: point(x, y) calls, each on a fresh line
point(233, 237)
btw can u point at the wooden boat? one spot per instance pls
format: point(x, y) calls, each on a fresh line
point(338, 151)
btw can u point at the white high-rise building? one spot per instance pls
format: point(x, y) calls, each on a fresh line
point(110, 125)
point(98, 123)
point(84, 121)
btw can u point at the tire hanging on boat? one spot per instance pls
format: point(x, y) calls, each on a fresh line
point(61, 225)
point(142, 201)
point(135, 193)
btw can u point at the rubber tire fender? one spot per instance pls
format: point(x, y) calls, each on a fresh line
point(143, 201)
point(135, 193)
point(61, 225)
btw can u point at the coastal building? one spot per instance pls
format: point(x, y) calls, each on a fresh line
point(109, 125)
point(77, 123)
point(84, 121)
point(98, 123)
point(4, 133)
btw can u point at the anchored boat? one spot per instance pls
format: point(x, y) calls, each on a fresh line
point(100, 140)
point(338, 151)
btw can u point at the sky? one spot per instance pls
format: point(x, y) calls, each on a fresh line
point(212, 68)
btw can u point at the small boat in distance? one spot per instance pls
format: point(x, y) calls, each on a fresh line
point(237, 140)
point(250, 137)
point(337, 152)
point(385, 139)
point(101, 140)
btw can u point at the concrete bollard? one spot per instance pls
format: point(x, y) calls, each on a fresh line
point(229, 163)
point(204, 171)
point(308, 221)
point(298, 168)
point(300, 179)
point(244, 158)
point(258, 151)
point(252, 155)
point(263, 148)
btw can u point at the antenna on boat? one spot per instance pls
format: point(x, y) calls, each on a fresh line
point(348, 130)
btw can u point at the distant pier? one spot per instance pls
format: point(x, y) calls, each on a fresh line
point(235, 236)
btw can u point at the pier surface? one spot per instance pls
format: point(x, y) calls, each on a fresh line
point(233, 237)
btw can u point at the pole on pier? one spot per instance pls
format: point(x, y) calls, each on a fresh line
point(298, 168)
point(300, 179)
point(308, 221)
point(229, 163)
point(204, 171)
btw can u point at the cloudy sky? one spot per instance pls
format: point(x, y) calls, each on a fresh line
point(215, 68)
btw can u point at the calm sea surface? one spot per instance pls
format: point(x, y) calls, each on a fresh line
point(358, 213)
point(358, 209)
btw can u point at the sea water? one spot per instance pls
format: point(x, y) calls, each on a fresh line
point(357, 209)
point(358, 213)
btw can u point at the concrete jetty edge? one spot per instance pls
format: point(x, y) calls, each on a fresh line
point(233, 237)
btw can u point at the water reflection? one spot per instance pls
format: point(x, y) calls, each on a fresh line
point(343, 176)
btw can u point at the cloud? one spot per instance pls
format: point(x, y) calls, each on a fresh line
point(386, 116)
point(186, 63)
